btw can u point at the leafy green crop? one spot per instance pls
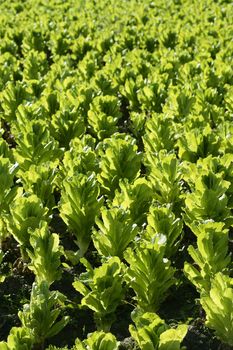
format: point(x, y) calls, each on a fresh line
point(40, 316)
point(159, 134)
point(41, 180)
point(211, 255)
point(8, 191)
point(135, 197)
point(7, 174)
point(102, 290)
point(165, 178)
point(103, 115)
point(116, 169)
point(66, 124)
point(81, 158)
point(116, 231)
point(218, 306)
point(45, 254)
point(149, 274)
point(11, 97)
point(162, 224)
point(25, 213)
point(209, 200)
point(18, 339)
point(97, 341)
point(120, 159)
point(152, 333)
point(80, 203)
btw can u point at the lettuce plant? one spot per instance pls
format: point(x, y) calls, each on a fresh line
point(149, 274)
point(45, 254)
point(211, 255)
point(160, 132)
point(129, 90)
point(35, 145)
point(152, 333)
point(98, 340)
point(165, 178)
point(5, 151)
point(227, 168)
point(40, 316)
point(102, 290)
point(208, 200)
point(218, 305)
point(152, 96)
point(7, 175)
point(18, 339)
point(41, 181)
point(8, 192)
point(89, 66)
point(137, 122)
point(34, 40)
point(8, 68)
point(85, 94)
point(67, 124)
point(50, 100)
point(135, 197)
point(103, 116)
point(198, 143)
point(25, 213)
point(225, 131)
point(120, 159)
point(81, 157)
point(11, 97)
point(80, 204)
point(103, 81)
point(34, 111)
point(35, 65)
point(180, 102)
point(219, 166)
point(162, 224)
point(116, 231)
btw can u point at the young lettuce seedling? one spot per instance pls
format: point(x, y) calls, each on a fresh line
point(149, 274)
point(97, 341)
point(218, 306)
point(19, 338)
point(152, 333)
point(40, 315)
point(162, 223)
point(103, 116)
point(41, 181)
point(102, 290)
point(165, 179)
point(35, 145)
point(211, 255)
point(120, 159)
point(116, 231)
point(159, 134)
point(135, 197)
point(79, 206)
point(209, 200)
point(45, 254)
point(80, 158)
point(25, 213)
point(7, 193)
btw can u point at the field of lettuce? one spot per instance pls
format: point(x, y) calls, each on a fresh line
point(116, 169)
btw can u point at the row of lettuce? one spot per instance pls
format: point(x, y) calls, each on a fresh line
point(117, 117)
